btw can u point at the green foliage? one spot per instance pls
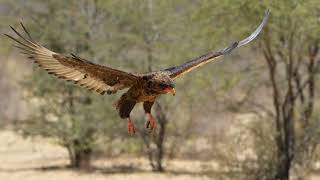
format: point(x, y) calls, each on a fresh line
point(132, 35)
point(143, 35)
point(73, 117)
point(289, 41)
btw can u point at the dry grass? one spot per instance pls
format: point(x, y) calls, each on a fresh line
point(36, 159)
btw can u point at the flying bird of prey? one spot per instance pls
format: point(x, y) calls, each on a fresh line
point(142, 87)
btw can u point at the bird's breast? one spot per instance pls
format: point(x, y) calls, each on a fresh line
point(147, 95)
point(146, 98)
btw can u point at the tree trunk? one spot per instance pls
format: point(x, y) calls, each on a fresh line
point(156, 155)
point(162, 119)
point(160, 148)
point(80, 158)
point(283, 170)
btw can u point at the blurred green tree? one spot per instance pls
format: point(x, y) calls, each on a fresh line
point(142, 35)
point(76, 119)
point(290, 47)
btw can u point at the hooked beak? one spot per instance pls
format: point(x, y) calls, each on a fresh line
point(171, 90)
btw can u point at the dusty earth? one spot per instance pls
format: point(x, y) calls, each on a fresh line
point(37, 159)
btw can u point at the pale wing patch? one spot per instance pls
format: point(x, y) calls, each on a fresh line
point(82, 72)
point(44, 58)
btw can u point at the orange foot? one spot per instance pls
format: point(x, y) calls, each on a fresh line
point(131, 129)
point(151, 123)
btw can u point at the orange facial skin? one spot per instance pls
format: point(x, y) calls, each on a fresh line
point(170, 90)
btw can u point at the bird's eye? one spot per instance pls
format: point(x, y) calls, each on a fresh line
point(163, 85)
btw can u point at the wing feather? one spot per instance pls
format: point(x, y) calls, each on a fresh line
point(180, 70)
point(73, 68)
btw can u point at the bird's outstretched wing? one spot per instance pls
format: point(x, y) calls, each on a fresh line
point(73, 68)
point(177, 71)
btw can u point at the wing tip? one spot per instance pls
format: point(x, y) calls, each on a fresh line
point(257, 30)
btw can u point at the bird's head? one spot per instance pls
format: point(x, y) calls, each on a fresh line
point(166, 86)
point(161, 83)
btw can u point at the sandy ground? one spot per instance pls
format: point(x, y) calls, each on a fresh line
point(36, 159)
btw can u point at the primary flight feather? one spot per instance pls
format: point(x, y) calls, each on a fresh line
point(142, 87)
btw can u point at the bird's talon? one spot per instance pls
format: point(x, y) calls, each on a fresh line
point(147, 125)
point(151, 124)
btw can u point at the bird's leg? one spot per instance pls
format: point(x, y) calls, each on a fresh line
point(131, 129)
point(151, 122)
point(125, 106)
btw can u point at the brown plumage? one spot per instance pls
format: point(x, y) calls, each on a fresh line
point(143, 87)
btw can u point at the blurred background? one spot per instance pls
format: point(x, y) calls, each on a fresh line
point(253, 114)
